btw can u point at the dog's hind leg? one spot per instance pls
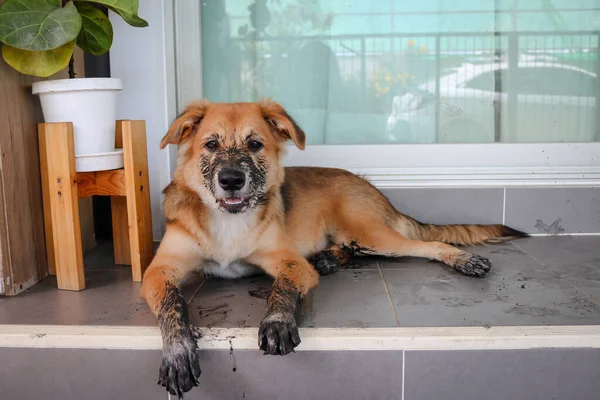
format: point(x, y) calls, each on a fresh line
point(330, 260)
point(379, 239)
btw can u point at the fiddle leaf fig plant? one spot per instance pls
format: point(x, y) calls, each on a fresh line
point(39, 36)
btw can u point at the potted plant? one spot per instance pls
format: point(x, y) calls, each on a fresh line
point(39, 37)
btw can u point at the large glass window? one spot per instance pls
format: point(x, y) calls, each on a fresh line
point(395, 71)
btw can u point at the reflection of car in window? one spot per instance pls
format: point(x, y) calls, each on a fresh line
point(555, 102)
point(486, 81)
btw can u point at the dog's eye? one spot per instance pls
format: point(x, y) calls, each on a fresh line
point(212, 145)
point(255, 145)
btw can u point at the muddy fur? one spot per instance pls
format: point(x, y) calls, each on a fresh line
point(255, 168)
point(179, 370)
point(278, 333)
point(274, 219)
point(325, 262)
point(472, 265)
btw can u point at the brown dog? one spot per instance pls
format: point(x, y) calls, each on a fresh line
point(232, 210)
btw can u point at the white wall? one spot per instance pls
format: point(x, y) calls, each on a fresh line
point(143, 58)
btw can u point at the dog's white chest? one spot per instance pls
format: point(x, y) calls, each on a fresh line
point(236, 269)
point(232, 238)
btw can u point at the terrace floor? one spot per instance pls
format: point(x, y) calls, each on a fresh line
point(534, 281)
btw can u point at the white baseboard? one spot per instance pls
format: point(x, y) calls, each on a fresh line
point(496, 177)
point(489, 177)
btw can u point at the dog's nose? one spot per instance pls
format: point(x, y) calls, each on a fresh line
point(231, 179)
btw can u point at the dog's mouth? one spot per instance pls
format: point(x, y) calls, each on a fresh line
point(233, 204)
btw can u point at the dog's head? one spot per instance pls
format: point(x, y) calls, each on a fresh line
point(229, 152)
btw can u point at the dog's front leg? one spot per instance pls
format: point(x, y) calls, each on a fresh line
point(294, 277)
point(177, 255)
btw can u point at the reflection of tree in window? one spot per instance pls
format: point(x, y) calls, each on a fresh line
point(274, 51)
point(221, 76)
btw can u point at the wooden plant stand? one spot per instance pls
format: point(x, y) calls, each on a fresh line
point(62, 187)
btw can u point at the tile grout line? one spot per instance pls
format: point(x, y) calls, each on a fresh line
point(195, 293)
point(403, 371)
point(523, 250)
point(387, 292)
point(504, 208)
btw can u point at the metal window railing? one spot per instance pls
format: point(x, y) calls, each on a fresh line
point(371, 69)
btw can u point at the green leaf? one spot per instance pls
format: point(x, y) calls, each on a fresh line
point(96, 34)
point(127, 9)
point(38, 25)
point(38, 63)
point(55, 3)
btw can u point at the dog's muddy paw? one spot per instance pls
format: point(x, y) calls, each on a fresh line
point(474, 265)
point(180, 368)
point(325, 262)
point(278, 334)
point(195, 331)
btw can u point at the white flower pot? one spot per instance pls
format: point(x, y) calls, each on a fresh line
point(91, 105)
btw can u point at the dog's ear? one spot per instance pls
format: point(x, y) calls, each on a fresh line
point(185, 124)
point(281, 122)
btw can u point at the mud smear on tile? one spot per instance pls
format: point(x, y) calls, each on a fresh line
point(232, 356)
point(214, 314)
point(260, 293)
point(442, 283)
point(508, 250)
point(524, 309)
point(460, 302)
point(361, 262)
point(357, 275)
point(579, 305)
point(260, 279)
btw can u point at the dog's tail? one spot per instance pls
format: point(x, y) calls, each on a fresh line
point(456, 234)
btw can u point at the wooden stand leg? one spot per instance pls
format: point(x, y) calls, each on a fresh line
point(118, 207)
point(120, 227)
point(58, 159)
point(138, 195)
point(46, 200)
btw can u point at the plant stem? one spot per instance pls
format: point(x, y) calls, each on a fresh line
point(71, 61)
point(71, 68)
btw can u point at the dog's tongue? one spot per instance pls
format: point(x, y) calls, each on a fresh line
point(232, 200)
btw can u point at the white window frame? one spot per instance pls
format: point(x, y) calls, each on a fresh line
point(418, 165)
point(176, 77)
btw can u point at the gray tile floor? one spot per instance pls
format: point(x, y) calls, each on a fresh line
point(534, 281)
